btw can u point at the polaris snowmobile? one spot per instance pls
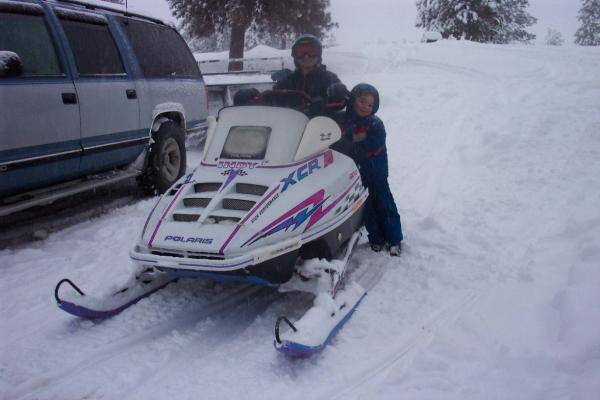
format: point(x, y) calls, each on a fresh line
point(268, 194)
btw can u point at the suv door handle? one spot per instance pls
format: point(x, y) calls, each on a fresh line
point(69, 98)
point(131, 93)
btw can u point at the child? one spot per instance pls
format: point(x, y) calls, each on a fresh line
point(367, 134)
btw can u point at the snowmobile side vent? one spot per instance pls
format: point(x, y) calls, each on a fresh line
point(186, 217)
point(238, 204)
point(196, 202)
point(205, 256)
point(217, 219)
point(166, 254)
point(207, 187)
point(200, 255)
point(247, 188)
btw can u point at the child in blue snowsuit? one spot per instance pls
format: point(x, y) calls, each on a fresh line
point(367, 134)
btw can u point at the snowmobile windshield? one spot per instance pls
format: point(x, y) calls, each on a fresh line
point(246, 142)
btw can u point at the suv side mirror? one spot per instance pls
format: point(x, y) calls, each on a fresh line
point(10, 64)
point(319, 134)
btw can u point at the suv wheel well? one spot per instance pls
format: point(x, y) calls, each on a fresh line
point(165, 117)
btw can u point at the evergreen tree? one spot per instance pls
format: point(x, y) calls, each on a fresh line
point(588, 33)
point(272, 18)
point(554, 38)
point(493, 21)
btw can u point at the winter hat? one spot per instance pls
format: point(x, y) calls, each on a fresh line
point(365, 88)
point(307, 44)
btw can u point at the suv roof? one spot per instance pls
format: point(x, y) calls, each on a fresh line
point(79, 4)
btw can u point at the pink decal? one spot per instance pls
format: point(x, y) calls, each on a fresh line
point(320, 213)
point(316, 199)
point(296, 216)
point(328, 157)
point(164, 215)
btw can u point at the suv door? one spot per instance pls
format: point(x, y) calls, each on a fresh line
point(171, 74)
point(110, 121)
point(39, 117)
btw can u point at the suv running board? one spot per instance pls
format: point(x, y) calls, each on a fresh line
point(23, 201)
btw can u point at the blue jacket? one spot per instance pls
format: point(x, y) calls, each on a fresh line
point(369, 154)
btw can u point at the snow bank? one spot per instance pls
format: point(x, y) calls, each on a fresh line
point(495, 166)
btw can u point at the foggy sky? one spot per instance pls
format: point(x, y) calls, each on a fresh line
point(363, 21)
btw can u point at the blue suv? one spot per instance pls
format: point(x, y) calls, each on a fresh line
point(90, 95)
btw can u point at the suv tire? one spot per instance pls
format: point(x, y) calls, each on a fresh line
point(167, 159)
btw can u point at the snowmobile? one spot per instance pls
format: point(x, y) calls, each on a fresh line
point(269, 193)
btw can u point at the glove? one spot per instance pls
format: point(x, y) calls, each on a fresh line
point(245, 96)
point(281, 75)
point(337, 93)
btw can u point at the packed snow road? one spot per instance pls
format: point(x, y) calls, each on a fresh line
point(495, 166)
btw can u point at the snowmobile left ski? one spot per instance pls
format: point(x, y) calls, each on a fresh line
point(141, 285)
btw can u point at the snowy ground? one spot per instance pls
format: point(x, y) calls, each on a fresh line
point(495, 165)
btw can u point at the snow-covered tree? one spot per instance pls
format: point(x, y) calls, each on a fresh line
point(493, 21)
point(235, 18)
point(554, 38)
point(588, 33)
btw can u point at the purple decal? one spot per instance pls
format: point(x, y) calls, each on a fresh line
point(230, 177)
point(310, 209)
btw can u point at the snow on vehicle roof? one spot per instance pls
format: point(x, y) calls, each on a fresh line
point(78, 15)
point(111, 7)
point(16, 7)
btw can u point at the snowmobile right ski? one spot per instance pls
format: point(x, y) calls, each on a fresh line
point(334, 303)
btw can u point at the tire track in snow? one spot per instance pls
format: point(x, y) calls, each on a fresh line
point(220, 337)
point(127, 345)
point(421, 335)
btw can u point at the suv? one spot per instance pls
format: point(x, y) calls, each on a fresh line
point(90, 95)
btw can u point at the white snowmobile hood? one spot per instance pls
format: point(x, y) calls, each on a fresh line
point(234, 209)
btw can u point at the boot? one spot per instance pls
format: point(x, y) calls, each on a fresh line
point(396, 249)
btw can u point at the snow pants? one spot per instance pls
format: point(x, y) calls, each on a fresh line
point(381, 216)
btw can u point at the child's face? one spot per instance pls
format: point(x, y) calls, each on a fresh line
point(363, 105)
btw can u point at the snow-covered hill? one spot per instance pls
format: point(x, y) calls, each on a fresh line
point(495, 166)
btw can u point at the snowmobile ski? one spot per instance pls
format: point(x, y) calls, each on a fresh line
point(315, 330)
point(334, 303)
point(82, 305)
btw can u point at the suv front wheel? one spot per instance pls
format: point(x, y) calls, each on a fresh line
point(167, 159)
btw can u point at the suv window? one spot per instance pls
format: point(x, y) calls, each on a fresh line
point(26, 34)
point(161, 52)
point(93, 46)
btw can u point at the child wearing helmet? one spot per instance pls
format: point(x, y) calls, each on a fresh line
point(367, 133)
point(310, 75)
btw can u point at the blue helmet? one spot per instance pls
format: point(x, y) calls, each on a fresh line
point(363, 88)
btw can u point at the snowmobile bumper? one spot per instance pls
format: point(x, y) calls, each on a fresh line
point(266, 266)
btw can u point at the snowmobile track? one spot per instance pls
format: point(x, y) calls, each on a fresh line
point(246, 293)
point(421, 335)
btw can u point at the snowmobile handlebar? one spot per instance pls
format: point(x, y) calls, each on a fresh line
point(294, 99)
